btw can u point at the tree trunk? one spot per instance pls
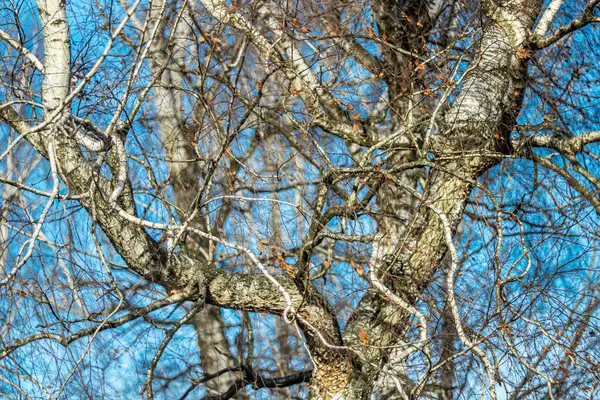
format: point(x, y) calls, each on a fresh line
point(489, 101)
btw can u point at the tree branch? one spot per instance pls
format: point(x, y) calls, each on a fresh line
point(571, 145)
point(26, 53)
point(586, 18)
point(258, 382)
point(283, 53)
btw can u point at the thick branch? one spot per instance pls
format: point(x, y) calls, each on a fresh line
point(571, 145)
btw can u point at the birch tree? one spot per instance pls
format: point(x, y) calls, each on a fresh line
point(324, 200)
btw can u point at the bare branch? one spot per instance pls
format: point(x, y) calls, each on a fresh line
point(26, 53)
point(587, 17)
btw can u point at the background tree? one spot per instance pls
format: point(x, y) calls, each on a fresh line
point(212, 199)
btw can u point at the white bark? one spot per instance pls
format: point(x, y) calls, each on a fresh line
point(415, 230)
point(547, 18)
point(26, 53)
point(57, 55)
